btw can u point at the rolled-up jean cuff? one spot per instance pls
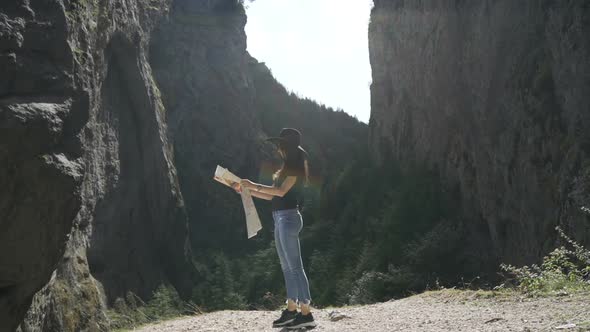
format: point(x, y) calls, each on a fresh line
point(307, 302)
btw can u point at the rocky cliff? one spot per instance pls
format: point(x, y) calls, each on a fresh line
point(113, 115)
point(495, 95)
point(91, 207)
point(201, 66)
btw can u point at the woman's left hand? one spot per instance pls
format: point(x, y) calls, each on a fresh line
point(237, 187)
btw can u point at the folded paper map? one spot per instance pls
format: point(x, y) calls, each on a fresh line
point(227, 178)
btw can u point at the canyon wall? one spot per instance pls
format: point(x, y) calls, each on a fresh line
point(91, 207)
point(496, 96)
point(114, 115)
point(201, 66)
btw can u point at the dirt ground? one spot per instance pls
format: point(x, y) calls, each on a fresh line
point(447, 310)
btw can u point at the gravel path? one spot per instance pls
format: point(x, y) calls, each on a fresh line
point(434, 311)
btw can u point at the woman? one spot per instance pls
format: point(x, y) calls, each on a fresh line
point(287, 187)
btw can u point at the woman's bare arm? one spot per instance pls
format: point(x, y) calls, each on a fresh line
point(271, 190)
point(261, 195)
point(238, 188)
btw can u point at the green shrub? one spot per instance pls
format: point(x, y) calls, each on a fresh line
point(132, 311)
point(218, 289)
point(368, 287)
point(562, 270)
point(260, 278)
point(375, 286)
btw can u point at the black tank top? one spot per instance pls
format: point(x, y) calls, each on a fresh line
point(294, 197)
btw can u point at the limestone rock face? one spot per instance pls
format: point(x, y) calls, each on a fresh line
point(90, 204)
point(201, 66)
point(42, 169)
point(496, 95)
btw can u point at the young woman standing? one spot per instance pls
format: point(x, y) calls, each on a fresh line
point(285, 193)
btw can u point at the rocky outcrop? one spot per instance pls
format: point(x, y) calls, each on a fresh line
point(494, 94)
point(201, 66)
point(42, 170)
point(90, 203)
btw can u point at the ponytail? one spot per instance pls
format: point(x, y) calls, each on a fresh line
point(296, 160)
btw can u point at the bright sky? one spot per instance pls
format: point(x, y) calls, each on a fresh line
point(316, 48)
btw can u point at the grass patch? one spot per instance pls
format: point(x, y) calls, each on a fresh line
point(584, 326)
point(131, 312)
point(565, 270)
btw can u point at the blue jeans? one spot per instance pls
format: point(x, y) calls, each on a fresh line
point(288, 224)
